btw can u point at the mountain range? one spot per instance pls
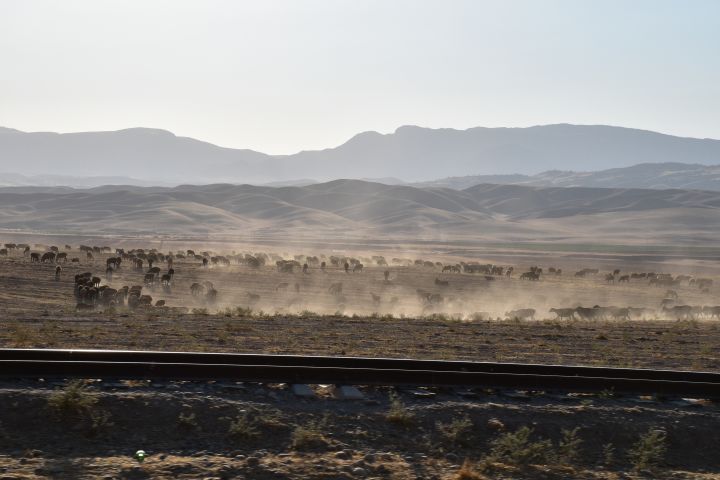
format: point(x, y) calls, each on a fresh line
point(411, 154)
point(367, 210)
point(646, 175)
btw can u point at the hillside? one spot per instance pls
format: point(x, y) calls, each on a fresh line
point(647, 175)
point(410, 154)
point(354, 209)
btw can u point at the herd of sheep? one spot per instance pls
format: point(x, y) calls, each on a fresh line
point(156, 270)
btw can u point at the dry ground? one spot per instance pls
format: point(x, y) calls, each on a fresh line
point(228, 431)
point(40, 312)
point(186, 428)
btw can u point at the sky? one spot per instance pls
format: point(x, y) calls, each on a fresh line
point(280, 76)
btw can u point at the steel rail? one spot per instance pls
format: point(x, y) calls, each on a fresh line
point(349, 370)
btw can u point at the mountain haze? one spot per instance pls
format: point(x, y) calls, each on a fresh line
point(410, 153)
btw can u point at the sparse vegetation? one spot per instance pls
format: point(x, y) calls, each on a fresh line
point(309, 437)
point(568, 449)
point(188, 421)
point(456, 432)
point(399, 414)
point(649, 451)
point(243, 428)
point(73, 398)
point(467, 472)
point(517, 448)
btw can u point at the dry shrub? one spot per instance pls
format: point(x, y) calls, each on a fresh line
point(399, 413)
point(72, 399)
point(308, 437)
point(467, 472)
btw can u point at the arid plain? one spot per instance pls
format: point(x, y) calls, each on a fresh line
point(415, 299)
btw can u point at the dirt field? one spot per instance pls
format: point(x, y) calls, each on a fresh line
point(295, 313)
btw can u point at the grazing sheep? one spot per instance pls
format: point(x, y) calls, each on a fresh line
point(588, 313)
point(564, 313)
point(211, 295)
point(530, 276)
point(196, 289)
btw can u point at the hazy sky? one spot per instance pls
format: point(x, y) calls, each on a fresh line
point(281, 76)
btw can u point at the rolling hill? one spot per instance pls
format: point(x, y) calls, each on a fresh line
point(646, 175)
point(360, 209)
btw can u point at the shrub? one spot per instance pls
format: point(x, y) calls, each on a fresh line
point(72, 399)
point(243, 428)
point(307, 437)
point(466, 472)
point(188, 421)
point(516, 448)
point(568, 450)
point(457, 431)
point(649, 451)
point(399, 413)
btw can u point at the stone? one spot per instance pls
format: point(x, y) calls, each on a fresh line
point(302, 390)
point(252, 461)
point(343, 455)
point(419, 393)
point(359, 471)
point(348, 392)
point(369, 458)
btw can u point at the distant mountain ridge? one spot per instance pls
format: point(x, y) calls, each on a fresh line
point(656, 176)
point(410, 153)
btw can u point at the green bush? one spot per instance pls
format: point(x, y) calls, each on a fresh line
point(649, 451)
point(243, 428)
point(516, 448)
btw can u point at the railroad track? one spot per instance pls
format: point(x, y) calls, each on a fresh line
point(24, 363)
